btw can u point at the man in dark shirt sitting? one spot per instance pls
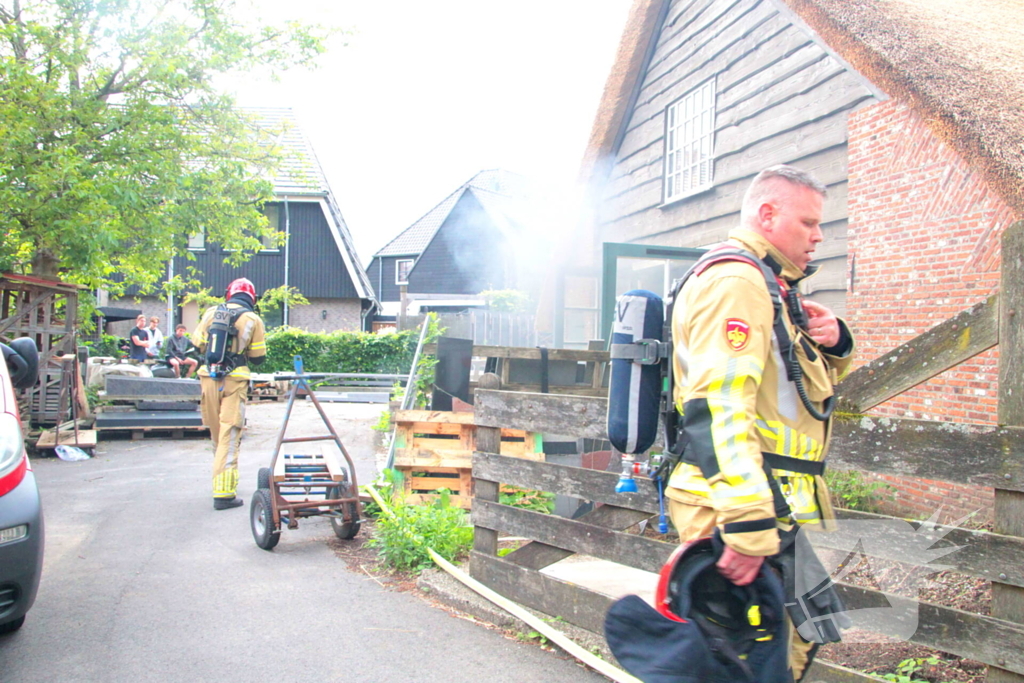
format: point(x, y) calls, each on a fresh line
point(178, 347)
point(138, 340)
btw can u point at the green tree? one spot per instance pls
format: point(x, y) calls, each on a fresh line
point(273, 300)
point(117, 146)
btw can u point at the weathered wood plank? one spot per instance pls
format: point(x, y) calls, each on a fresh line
point(985, 639)
point(628, 216)
point(537, 555)
point(944, 346)
point(1007, 600)
point(958, 453)
point(589, 539)
point(485, 351)
point(528, 587)
point(981, 553)
point(551, 413)
point(575, 482)
point(485, 540)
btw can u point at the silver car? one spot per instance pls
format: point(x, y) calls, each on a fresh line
point(21, 515)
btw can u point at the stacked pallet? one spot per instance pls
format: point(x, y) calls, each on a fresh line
point(150, 405)
point(434, 450)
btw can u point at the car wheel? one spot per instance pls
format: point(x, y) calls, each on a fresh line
point(12, 626)
point(263, 478)
point(261, 518)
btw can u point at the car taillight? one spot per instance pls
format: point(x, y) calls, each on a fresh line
point(13, 463)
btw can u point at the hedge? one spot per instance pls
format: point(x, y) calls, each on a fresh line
point(340, 351)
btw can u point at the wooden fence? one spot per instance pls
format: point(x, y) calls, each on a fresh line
point(984, 455)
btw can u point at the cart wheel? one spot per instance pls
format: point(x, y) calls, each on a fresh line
point(261, 518)
point(263, 478)
point(346, 531)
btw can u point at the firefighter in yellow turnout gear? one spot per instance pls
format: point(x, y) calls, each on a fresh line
point(223, 398)
point(732, 389)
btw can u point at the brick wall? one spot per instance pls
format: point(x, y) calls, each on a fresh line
point(923, 245)
point(341, 314)
point(149, 306)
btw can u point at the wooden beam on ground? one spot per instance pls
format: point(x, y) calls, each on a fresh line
point(944, 346)
point(579, 416)
point(960, 453)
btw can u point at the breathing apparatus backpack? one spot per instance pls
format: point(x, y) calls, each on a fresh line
point(220, 337)
point(641, 364)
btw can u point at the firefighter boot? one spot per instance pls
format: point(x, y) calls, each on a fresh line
point(227, 503)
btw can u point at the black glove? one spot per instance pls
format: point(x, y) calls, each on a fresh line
point(817, 611)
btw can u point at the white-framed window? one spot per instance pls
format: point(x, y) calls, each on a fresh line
point(402, 268)
point(273, 214)
point(690, 142)
point(197, 242)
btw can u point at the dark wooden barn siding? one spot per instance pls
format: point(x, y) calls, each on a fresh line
point(466, 256)
point(316, 267)
point(780, 98)
point(382, 276)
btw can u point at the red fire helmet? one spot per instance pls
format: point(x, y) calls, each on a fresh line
point(241, 285)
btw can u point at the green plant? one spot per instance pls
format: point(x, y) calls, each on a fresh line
point(402, 539)
point(507, 300)
point(906, 671)
point(92, 396)
point(387, 484)
point(383, 423)
point(527, 499)
point(274, 299)
point(851, 490)
point(107, 345)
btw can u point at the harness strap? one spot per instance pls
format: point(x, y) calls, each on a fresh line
point(785, 462)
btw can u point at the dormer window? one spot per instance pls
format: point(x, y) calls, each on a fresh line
point(690, 142)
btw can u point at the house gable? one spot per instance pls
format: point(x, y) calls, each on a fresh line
point(779, 97)
point(322, 274)
point(466, 254)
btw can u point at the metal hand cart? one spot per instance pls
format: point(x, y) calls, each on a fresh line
point(304, 484)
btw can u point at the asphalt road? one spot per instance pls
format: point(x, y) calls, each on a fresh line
point(144, 581)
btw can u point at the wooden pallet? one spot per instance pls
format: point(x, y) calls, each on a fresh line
point(66, 437)
point(139, 433)
point(434, 450)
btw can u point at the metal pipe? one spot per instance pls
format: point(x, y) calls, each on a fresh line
point(287, 240)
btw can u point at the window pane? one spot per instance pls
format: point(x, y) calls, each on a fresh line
point(581, 326)
point(197, 241)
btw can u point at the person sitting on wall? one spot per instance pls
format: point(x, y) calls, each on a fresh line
point(156, 339)
point(178, 348)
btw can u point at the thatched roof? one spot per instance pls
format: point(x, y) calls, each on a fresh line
point(959, 64)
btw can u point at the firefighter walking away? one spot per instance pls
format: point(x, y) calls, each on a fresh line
point(231, 338)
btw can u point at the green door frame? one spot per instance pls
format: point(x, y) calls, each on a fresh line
point(612, 252)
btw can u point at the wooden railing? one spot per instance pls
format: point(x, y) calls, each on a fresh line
point(984, 455)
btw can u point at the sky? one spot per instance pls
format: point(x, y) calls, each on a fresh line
point(418, 96)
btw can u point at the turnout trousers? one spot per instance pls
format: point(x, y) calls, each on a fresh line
point(698, 520)
point(223, 406)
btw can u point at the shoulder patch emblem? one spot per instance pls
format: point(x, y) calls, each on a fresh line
point(737, 333)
